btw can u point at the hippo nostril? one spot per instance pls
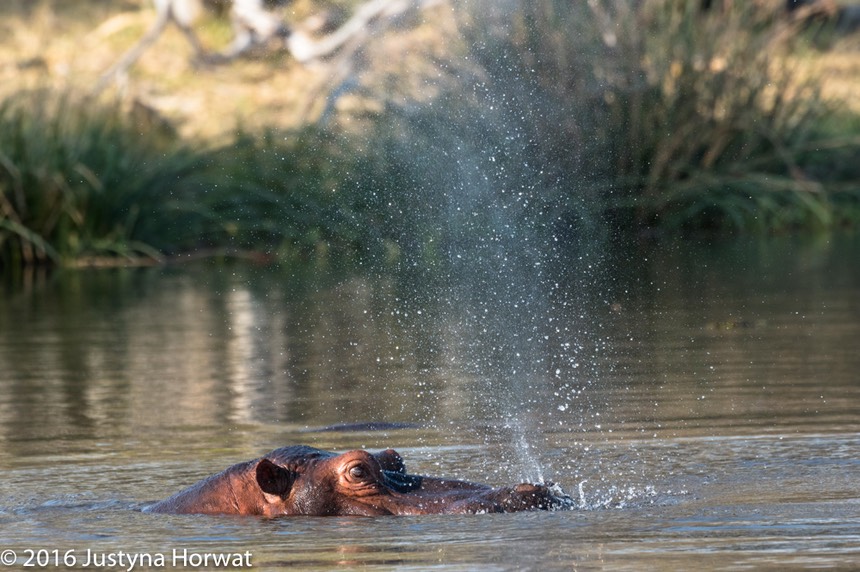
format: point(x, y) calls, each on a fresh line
point(402, 483)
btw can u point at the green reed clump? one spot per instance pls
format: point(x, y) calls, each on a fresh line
point(82, 182)
point(79, 179)
point(716, 134)
point(672, 115)
point(286, 194)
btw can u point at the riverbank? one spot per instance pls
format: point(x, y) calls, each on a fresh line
point(658, 130)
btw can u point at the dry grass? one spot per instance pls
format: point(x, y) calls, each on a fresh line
point(839, 69)
point(72, 42)
point(61, 43)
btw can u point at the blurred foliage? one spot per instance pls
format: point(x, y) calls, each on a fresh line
point(556, 117)
point(662, 113)
point(82, 182)
point(78, 180)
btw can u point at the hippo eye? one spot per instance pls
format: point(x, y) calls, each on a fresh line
point(357, 472)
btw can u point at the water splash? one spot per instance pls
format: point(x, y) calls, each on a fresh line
point(531, 467)
point(491, 210)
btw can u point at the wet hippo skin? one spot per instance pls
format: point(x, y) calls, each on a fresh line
point(302, 480)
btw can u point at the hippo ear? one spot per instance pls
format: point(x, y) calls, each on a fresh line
point(274, 479)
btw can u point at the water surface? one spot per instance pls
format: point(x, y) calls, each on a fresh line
point(700, 403)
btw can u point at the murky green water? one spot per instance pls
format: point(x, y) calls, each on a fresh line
point(700, 401)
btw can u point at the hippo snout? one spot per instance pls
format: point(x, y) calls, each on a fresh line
point(528, 488)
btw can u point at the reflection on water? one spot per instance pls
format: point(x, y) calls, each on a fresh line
point(701, 406)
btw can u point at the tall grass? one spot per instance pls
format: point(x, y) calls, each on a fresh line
point(287, 194)
point(671, 115)
point(81, 180)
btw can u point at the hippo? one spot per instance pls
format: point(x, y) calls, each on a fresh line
point(302, 480)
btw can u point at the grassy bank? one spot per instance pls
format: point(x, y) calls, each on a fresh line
point(676, 118)
point(80, 181)
point(83, 183)
point(563, 116)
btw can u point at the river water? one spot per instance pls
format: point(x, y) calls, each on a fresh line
point(699, 400)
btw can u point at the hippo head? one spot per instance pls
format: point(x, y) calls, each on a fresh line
point(301, 480)
point(353, 483)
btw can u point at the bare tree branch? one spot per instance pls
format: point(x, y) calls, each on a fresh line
point(254, 25)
